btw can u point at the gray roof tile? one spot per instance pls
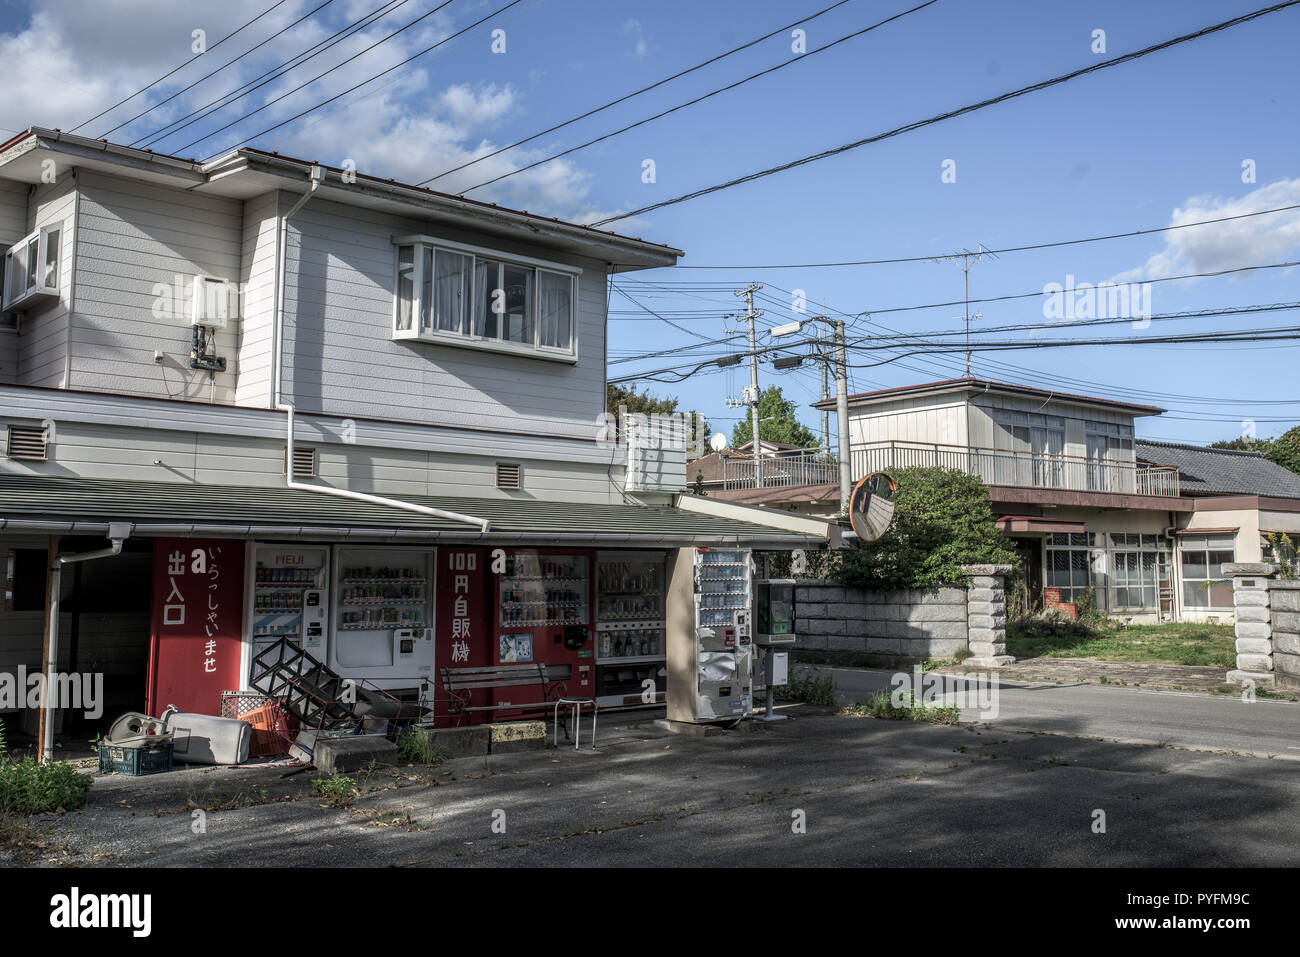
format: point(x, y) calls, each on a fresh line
point(1206, 471)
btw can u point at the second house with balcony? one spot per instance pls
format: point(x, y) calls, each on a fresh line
point(1145, 526)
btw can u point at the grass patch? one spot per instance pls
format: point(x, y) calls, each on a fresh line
point(414, 747)
point(881, 705)
point(1172, 643)
point(809, 686)
point(337, 791)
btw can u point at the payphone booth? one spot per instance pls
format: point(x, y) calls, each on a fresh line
point(774, 617)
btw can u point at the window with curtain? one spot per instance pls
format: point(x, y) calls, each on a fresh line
point(554, 309)
point(481, 300)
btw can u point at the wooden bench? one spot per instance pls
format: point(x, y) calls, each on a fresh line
point(460, 683)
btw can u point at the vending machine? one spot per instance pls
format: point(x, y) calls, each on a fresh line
point(543, 614)
point(630, 640)
point(290, 598)
point(383, 616)
point(710, 637)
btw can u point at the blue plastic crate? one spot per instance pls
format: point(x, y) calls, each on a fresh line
point(151, 759)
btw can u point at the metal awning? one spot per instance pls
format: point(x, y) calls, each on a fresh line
point(1036, 524)
point(84, 506)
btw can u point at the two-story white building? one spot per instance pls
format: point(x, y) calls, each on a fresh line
point(296, 402)
point(1146, 525)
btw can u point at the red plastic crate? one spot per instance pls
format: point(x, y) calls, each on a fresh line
point(272, 734)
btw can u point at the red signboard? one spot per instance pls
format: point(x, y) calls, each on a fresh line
point(462, 636)
point(196, 624)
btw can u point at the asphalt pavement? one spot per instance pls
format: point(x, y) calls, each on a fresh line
point(1263, 727)
point(821, 789)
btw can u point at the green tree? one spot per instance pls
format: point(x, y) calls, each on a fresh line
point(784, 425)
point(1242, 443)
point(1285, 450)
point(628, 397)
point(942, 520)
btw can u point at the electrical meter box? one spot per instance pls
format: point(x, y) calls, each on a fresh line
point(774, 611)
point(710, 636)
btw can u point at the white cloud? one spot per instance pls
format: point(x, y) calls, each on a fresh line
point(1227, 245)
point(73, 60)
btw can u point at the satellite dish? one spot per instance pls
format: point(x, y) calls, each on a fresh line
point(718, 442)
point(871, 506)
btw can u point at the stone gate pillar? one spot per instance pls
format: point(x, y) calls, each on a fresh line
point(986, 615)
point(1254, 630)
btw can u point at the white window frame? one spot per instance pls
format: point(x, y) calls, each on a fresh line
point(16, 273)
point(468, 339)
point(1214, 542)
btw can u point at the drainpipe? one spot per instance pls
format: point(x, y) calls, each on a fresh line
point(117, 533)
point(282, 405)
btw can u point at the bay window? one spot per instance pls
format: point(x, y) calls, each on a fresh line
point(462, 296)
point(31, 268)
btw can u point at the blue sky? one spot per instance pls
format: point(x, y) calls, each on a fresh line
point(1145, 144)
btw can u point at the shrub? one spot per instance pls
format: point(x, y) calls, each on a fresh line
point(942, 520)
point(27, 787)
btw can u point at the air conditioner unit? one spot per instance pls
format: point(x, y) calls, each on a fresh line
point(215, 302)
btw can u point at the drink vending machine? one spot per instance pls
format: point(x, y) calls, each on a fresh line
point(290, 599)
point(543, 614)
point(630, 629)
point(383, 616)
point(710, 637)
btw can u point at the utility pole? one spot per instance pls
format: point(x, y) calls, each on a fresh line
point(842, 415)
point(750, 315)
point(822, 349)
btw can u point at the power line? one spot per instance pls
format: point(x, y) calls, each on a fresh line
point(634, 93)
point(208, 76)
point(179, 68)
point(1009, 249)
point(902, 341)
point(231, 96)
point(698, 99)
point(337, 66)
point(992, 101)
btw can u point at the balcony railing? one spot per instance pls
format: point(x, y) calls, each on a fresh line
point(1022, 469)
point(779, 471)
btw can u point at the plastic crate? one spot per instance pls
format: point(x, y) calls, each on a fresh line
point(272, 735)
point(151, 759)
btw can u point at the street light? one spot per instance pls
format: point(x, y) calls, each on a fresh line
point(841, 396)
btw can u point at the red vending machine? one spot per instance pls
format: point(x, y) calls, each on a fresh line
point(543, 602)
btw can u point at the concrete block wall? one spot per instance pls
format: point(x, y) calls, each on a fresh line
point(1267, 625)
point(882, 628)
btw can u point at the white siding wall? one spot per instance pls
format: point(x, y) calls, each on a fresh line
point(86, 449)
point(340, 356)
point(13, 227)
point(257, 271)
point(936, 419)
point(133, 236)
point(43, 342)
point(983, 428)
